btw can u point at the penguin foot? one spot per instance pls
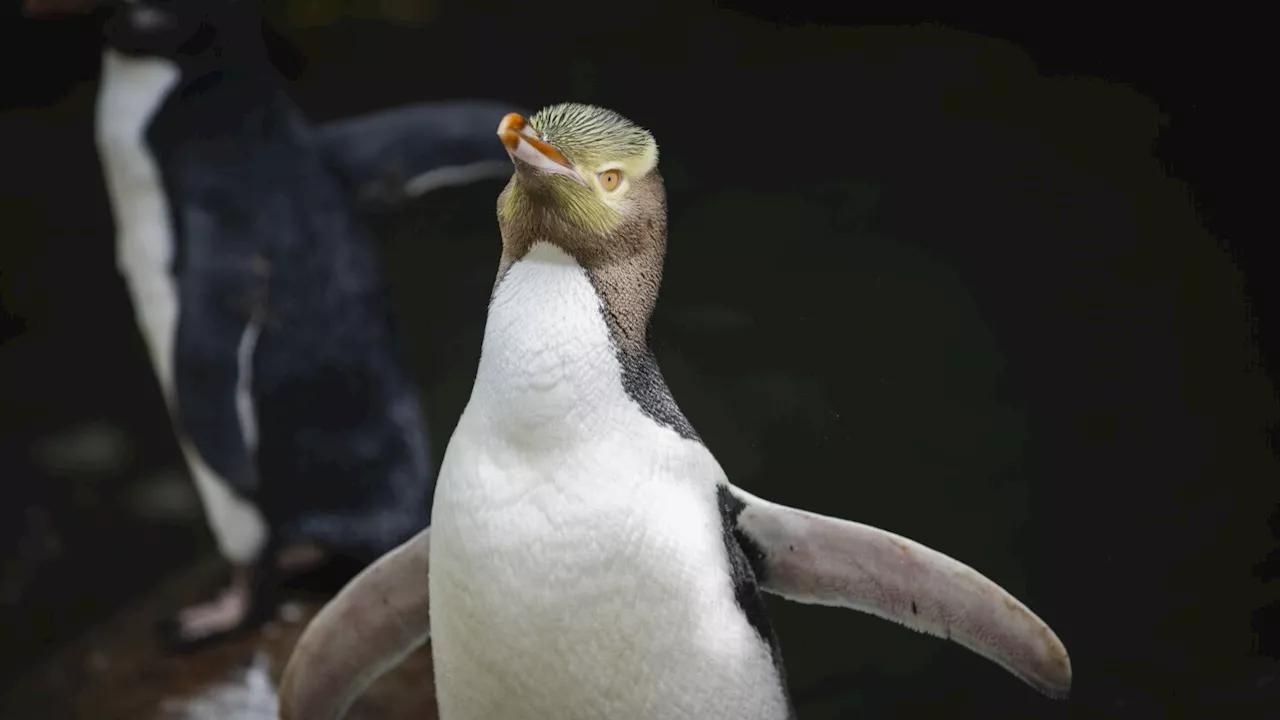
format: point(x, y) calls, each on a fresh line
point(233, 611)
point(252, 597)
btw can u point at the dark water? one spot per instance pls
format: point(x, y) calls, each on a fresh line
point(911, 282)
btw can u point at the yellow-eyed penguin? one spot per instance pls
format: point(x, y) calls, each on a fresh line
point(588, 557)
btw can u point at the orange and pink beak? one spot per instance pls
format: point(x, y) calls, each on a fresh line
point(525, 145)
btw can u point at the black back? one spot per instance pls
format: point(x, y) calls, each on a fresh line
point(747, 571)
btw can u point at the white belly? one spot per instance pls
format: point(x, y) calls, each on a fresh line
point(577, 563)
point(132, 91)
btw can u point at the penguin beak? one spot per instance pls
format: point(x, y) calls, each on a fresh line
point(525, 145)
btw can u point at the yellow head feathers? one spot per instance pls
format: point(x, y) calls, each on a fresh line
point(578, 161)
point(594, 137)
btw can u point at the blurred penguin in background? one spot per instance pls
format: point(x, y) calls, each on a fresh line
point(259, 292)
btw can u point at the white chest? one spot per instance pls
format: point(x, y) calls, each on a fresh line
point(547, 370)
point(577, 564)
point(132, 90)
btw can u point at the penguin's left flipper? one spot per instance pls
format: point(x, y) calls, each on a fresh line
point(385, 159)
point(814, 559)
point(380, 617)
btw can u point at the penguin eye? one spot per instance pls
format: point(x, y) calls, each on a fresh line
point(609, 179)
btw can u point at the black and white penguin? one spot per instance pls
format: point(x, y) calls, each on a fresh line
point(588, 557)
point(258, 290)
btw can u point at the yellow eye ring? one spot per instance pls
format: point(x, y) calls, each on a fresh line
point(610, 179)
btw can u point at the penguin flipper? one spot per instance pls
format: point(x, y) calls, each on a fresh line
point(385, 159)
point(368, 628)
point(820, 560)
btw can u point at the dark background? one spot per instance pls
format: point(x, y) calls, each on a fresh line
point(990, 285)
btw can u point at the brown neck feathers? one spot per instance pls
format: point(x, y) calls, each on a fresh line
point(625, 265)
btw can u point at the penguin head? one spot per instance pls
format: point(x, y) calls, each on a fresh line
point(585, 172)
point(204, 32)
point(586, 180)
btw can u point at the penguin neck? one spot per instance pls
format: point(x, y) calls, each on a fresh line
point(131, 93)
point(624, 266)
point(168, 105)
point(550, 371)
point(232, 100)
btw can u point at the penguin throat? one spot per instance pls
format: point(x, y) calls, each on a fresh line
point(131, 93)
point(549, 370)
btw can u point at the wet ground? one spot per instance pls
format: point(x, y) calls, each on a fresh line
point(116, 672)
